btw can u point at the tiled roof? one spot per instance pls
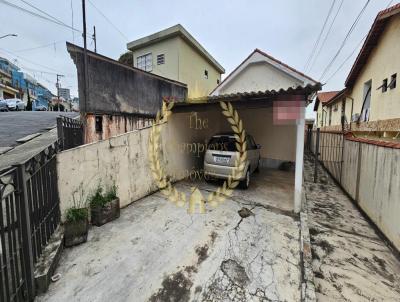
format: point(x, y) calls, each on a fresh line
point(324, 97)
point(299, 90)
point(370, 42)
point(335, 97)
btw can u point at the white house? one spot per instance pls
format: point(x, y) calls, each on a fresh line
point(261, 72)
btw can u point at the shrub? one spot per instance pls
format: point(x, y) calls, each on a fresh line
point(98, 199)
point(77, 214)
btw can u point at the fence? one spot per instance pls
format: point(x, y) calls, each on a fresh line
point(330, 147)
point(70, 132)
point(29, 215)
point(369, 171)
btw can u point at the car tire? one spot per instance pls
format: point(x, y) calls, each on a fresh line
point(245, 183)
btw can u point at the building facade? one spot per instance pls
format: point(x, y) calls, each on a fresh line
point(370, 100)
point(7, 91)
point(174, 54)
point(64, 93)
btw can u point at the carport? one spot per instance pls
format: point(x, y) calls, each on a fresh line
point(276, 120)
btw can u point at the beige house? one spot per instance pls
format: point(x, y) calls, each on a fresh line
point(261, 72)
point(325, 116)
point(371, 99)
point(174, 53)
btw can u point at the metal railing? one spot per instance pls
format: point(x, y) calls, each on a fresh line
point(327, 148)
point(70, 132)
point(29, 215)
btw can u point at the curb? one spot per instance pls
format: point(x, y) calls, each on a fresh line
point(307, 285)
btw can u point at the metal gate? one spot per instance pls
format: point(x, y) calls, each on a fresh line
point(70, 132)
point(327, 148)
point(29, 215)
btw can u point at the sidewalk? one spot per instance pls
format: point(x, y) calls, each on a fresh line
point(350, 261)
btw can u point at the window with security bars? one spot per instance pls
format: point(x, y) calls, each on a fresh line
point(160, 59)
point(145, 62)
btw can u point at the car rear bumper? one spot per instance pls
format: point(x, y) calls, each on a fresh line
point(219, 171)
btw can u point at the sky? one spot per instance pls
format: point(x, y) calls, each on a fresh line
point(229, 29)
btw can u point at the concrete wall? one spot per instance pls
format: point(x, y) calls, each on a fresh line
point(371, 176)
point(122, 159)
point(382, 63)
point(118, 88)
point(182, 63)
point(379, 190)
point(112, 125)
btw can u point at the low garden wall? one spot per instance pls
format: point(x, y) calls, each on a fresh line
point(122, 160)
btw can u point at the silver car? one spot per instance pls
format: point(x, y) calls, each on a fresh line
point(15, 104)
point(3, 105)
point(221, 154)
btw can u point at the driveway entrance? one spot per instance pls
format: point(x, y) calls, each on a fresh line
point(245, 249)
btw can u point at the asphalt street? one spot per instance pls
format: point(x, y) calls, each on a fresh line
point(17, 124)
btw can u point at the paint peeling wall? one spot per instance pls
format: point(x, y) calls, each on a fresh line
point(112, 125)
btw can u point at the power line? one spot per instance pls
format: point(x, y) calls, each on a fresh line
point(353, 51)
point(29, 61)
point(39, 47)
point(319, 36)
point(348, 58)
point(108, 20)
point(43, 12)
point(326, 36)
point(37, 15)
point(344, 40)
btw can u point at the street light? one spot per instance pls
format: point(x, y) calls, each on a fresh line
point(9, 35)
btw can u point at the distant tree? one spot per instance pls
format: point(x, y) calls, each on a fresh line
point(29, 103)
point(55, 107)
point(126, 58)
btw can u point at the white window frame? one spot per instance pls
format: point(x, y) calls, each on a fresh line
point(145, 62)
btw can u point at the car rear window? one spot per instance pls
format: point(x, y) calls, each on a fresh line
point(222, 143)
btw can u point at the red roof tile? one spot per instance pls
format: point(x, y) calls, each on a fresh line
point(324, 97)
point(370, 42)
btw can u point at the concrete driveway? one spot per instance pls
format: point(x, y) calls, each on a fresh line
point(156, 251)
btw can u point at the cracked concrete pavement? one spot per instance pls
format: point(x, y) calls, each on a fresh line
point(246, 249)
point(350, 261)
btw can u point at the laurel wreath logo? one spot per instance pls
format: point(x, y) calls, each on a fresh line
point(165, 185)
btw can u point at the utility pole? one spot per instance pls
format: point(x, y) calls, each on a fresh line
point(85, 61)
point(58, 90)
point(94, 38)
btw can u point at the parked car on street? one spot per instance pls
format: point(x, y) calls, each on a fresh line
point(3, 105)
point(40, 108)
point(221, 154)
point(15, 104)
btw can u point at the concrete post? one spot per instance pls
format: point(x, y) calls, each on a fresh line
point(298, 180)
